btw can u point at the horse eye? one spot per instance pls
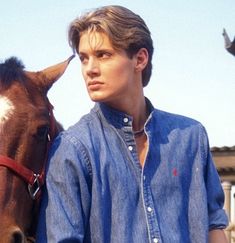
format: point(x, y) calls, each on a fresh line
point(42, 132)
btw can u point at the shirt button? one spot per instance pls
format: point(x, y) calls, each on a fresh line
point(149, 209)
point(155, 240)
point(130, 148)
point(125, 119)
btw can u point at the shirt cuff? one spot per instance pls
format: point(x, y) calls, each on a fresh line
point(218, 219)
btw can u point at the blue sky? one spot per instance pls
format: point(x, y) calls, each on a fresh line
point(193, 75)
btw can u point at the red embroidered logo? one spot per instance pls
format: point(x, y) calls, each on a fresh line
point(175, 172)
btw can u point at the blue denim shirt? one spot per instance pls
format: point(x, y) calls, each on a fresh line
point(97, 191)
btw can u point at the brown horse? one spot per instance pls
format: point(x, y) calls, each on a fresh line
point(27, 125)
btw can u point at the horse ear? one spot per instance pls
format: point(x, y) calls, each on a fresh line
point(46, 77)
point(53, 73)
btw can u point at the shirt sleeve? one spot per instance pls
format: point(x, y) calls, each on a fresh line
point(215, 195)
point(66, 199)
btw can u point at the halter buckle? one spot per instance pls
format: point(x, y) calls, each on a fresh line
point(34, 187)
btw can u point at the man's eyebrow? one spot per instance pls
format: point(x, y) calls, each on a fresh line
point(104, 50)
point(97, 50)
point(81, 53)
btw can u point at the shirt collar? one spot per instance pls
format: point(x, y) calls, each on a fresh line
point(115, 117)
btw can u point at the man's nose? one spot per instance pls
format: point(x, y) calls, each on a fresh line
point(93, 67)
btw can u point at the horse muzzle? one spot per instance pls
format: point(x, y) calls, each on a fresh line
point(16, 235)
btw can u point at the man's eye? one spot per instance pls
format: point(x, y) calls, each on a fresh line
point(104, 55)
point(82, 58)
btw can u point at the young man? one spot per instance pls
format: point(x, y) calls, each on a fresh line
point(127, 172)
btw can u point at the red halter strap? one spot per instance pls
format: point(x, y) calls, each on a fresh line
point(27, 175)
point(34, 181)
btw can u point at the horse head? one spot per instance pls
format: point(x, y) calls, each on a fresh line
point(27, 126)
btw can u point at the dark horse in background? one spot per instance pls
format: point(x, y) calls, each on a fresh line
point(27, 126)
point(229, 45)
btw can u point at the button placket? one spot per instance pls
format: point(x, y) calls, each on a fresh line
point(150, 212)
point(128, 138)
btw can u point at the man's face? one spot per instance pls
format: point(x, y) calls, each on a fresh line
point(109, 74)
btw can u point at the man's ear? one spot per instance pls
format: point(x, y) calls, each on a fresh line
point(142, 57)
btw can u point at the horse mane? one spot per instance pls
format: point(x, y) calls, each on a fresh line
point(10, 71)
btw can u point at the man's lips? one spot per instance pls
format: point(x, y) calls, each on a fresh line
point(93, 85)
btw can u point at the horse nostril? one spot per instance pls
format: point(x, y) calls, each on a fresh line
point(17, 237)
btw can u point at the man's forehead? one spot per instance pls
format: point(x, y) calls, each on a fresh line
point(94, 40)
